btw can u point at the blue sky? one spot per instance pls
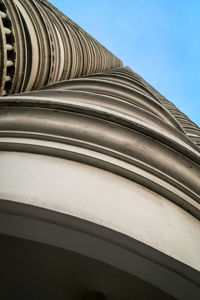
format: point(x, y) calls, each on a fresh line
point(158, 39)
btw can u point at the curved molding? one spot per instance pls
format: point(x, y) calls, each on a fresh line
point(114, 89)
point(111, 127)
point(189, 127)
point(123, 139)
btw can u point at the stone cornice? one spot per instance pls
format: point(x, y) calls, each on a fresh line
point(157, 156)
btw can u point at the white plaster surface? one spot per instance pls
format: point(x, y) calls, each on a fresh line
point(103, 198)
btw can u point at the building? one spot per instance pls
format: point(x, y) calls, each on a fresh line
point(99, 176)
